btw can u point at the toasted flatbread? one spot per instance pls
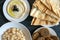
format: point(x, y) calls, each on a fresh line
point(47, 4)
point(56, 6)
point(44, 9)
point(36, 21)
point(40, 15)
point(33, 11)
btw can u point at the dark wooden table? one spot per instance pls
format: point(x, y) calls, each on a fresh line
point(27, 22)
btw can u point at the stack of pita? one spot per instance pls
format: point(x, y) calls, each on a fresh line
point(45, 12)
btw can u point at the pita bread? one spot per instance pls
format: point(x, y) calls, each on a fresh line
point(36, 22)
point(44, 9)
point(56, 6)
point(47, 4)
point(40, 15)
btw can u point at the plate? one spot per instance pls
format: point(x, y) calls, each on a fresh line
point(16, 25)
point(50, 25)
point(19, 19)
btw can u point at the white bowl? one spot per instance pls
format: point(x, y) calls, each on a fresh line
point(16, 25)
point(52, 32)
point(21, 18)
point(50, 25)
